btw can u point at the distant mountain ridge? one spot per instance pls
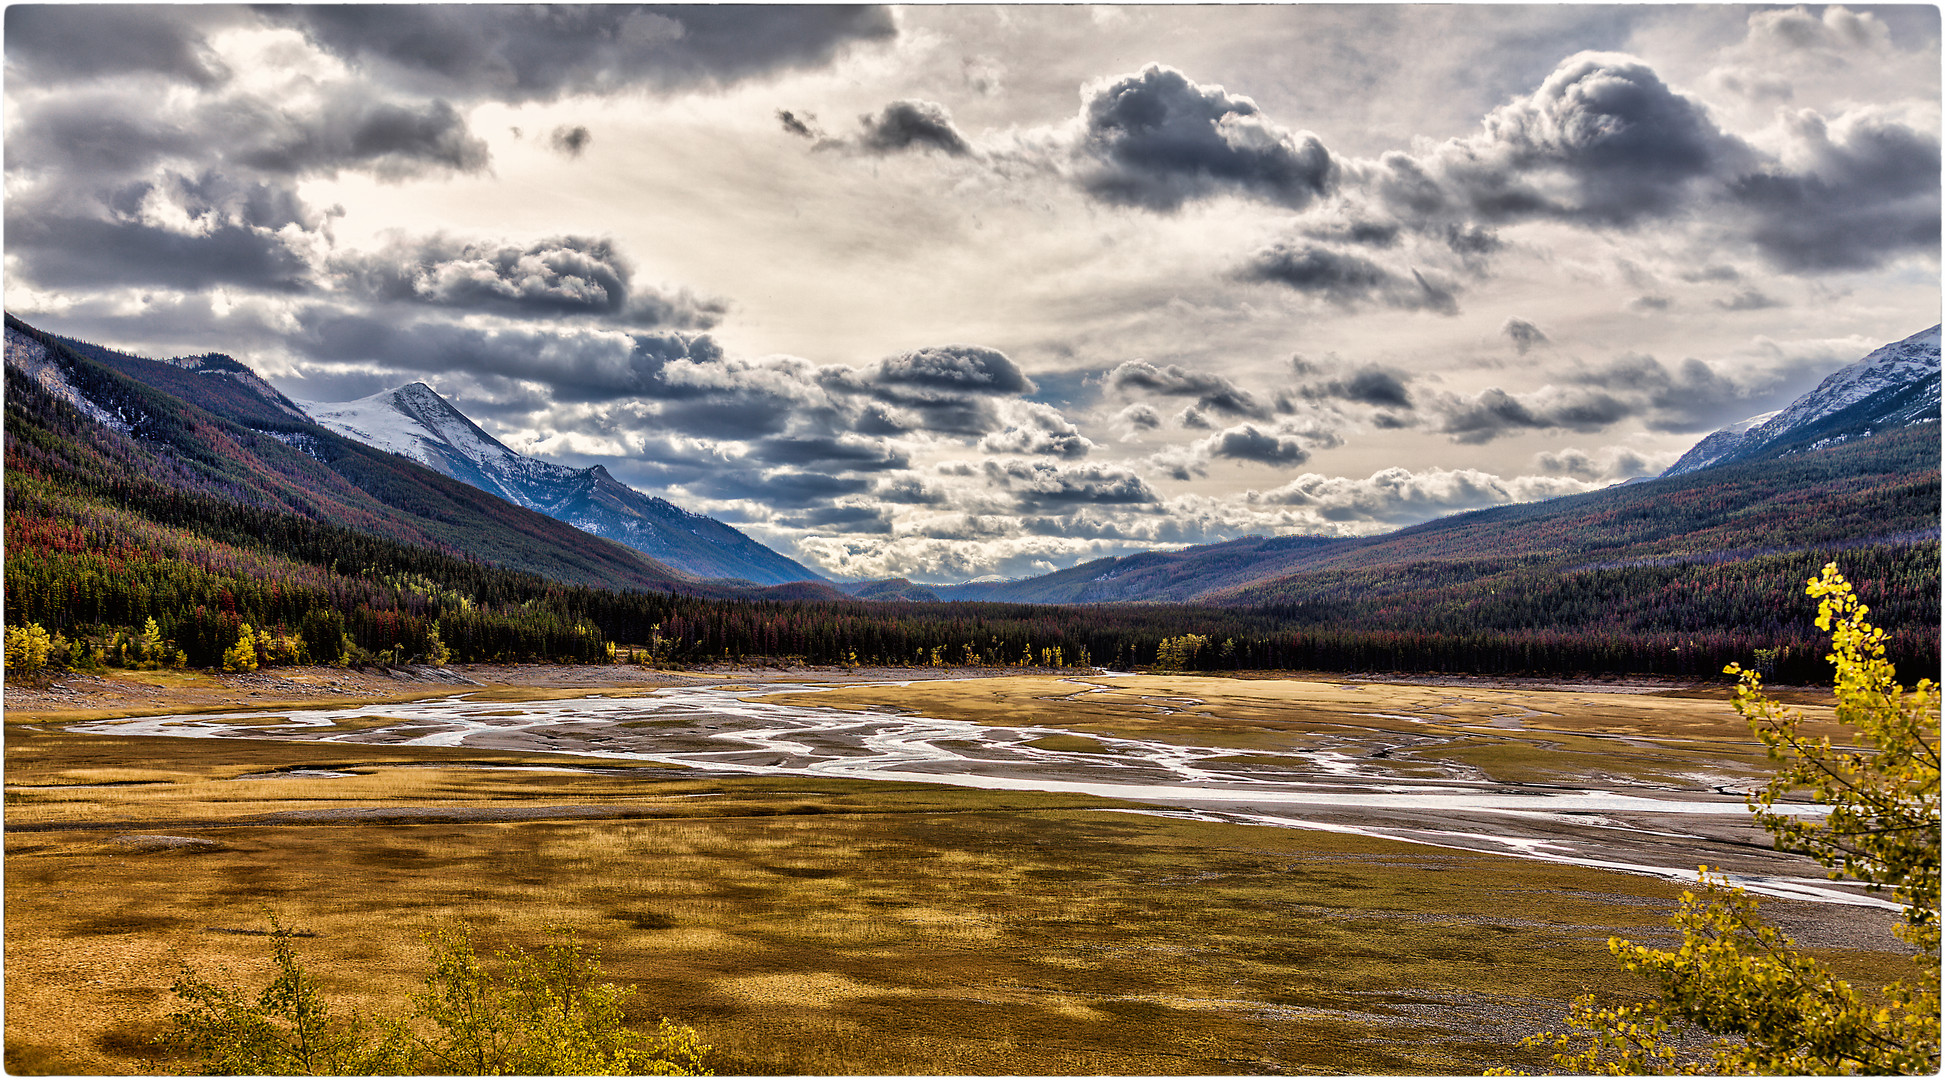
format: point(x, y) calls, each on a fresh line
point(414, 422)
point(1895, 386)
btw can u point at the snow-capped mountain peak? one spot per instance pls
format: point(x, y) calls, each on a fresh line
point(1894, 386)
point(414, 422)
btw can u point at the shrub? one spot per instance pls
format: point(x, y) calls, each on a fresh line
point(540, 1014)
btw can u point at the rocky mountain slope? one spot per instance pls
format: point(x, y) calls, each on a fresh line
point(184, 443)
point(414, 422)
point(1894, 387)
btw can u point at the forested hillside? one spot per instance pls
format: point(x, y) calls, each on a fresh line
point(151, 508)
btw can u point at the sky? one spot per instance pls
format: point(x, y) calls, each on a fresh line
point(966, 291)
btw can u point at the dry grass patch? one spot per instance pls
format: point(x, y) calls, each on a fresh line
point(899, 928)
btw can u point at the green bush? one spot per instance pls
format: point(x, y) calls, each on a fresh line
point(530, 1014)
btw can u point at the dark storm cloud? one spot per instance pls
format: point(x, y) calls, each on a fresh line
point(909, 124)
point(1493, 412)
point(1602, 140)
point(950, 370)
point(1139, 417)
point(847, 519)
point(1871, 193)
point(793, 489)
point(909, 491)
point(1369, 385)
point(1379, 234)
point(1524, 334)
point(1348, 280)
point(1040, 484)
point(538, 53)
point(830, 451)
point(571, 141)
point(1038, 429)
point(391, 140)
point(576, 366)
point(1749, 300)
point(95, 135)
point(1156, 140)
point(1246, 443)
point(563, 276)
point(1616, 463)
point(83, 252)
point(1691, 396)
point(52, 44)
point(1210, 391)
point(798, 126)
point(1713, 273)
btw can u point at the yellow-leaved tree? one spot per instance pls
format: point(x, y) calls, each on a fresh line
point(1738, 996)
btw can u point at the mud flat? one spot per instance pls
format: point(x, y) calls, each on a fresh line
point(1036, 874)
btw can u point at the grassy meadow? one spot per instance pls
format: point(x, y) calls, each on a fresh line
point(803, 925)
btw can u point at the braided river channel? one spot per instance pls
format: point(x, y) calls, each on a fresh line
point(1331, 783)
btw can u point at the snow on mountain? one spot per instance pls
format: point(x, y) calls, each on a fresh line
point(414, 422)
point(1895, 386)
point(32, 359)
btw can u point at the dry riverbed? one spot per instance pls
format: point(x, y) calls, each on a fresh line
point(827, 921)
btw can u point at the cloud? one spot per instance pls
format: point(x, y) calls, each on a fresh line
point(1348, 280)
point(1246, 443)
point(831, 451)
point(1524, 334)
point(1868, 192)
point(788, 489)
point(1602, 141)
point(1137, 418)
point(804, 127)
point(1400, 495)
point(563, 277)
point(1692, 395)
point(1607, 463)
point(845, 519)
point(1241, 442)
point(517, 54)
point(1210, 391)
point(84, 251)
point(969, 369)
point(1749, 300)
point(910, 123)
point(908, 491)
point(388, 139)
point(1033, 428)
point(55, 44)
point(581, 365)
point(570, 141)
point(1156, 140)
point(1493, 412)
point(1041, 485)
point(1367, 385)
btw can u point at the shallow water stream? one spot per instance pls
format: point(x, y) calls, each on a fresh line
point(739, 730)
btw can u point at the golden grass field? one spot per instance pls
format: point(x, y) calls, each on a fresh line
point(827, 926)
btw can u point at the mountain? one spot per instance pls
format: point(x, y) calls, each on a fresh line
point(1841, 468)
point(415, 422)
point(1895, 386)
point(165, 436)
point(891, 589)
